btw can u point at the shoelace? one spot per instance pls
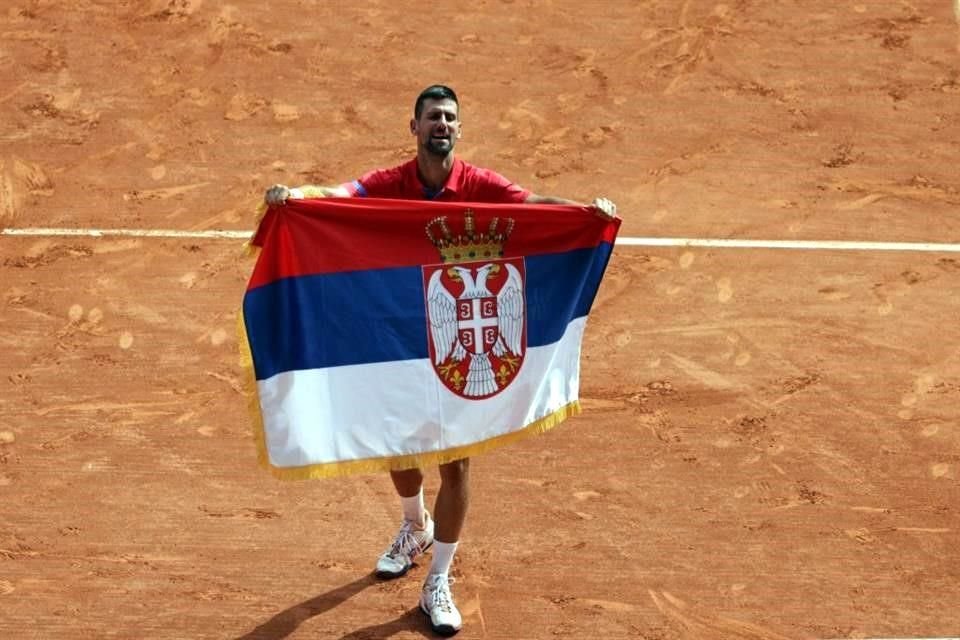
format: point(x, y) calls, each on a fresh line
point(441, 598)
point(406, 541)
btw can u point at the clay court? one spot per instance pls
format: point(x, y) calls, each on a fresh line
point(770, 443)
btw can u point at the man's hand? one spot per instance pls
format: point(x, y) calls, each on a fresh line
point(278, 195)
point(604, 208)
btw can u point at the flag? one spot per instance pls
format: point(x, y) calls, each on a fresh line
point(390, 334)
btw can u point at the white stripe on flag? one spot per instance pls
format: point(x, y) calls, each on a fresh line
point(357, 412)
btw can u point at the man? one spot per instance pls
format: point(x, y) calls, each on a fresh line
point(435, 174)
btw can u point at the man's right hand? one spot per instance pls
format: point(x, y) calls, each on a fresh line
point(604, 208)
point(278, 195)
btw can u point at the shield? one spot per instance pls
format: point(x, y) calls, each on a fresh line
point(476, 324)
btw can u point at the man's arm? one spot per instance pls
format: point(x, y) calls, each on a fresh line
point(537, 199)
point(278, 194)
point(601, 206)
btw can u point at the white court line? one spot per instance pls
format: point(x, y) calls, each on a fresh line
point(717, 243)
point(136, 233)
point(834, 245)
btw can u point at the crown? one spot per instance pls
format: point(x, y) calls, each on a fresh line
point(469, 245)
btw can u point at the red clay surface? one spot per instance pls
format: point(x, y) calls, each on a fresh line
point(771, 440)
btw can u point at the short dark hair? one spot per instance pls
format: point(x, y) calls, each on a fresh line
point(434, 92)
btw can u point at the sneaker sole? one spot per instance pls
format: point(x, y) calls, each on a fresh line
point(443, 629)
point(389, 575)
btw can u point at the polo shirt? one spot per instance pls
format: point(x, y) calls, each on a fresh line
point(466, 183)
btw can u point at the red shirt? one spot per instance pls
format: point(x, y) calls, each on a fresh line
point(466, 183)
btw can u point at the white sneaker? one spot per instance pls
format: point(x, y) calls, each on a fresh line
point(437, 602)
point(410, 542)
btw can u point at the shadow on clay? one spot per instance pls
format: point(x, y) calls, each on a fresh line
point(287, 621)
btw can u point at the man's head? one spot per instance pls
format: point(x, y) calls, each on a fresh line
point(433, 92)
point(436, 120)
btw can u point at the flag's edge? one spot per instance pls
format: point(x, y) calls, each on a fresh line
point(249, 385)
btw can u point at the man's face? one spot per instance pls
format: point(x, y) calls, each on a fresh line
point(438, 127)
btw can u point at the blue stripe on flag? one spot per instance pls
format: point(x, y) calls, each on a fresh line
point(359, 317)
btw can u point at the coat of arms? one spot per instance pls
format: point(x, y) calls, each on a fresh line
point(476, 310)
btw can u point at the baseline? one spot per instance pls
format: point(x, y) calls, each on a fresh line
point(716, 243)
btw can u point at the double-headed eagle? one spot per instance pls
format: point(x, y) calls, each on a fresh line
point(446, 325)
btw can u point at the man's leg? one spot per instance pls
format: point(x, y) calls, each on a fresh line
point(451, 511)
point(416, 531)
point(409, 486)
point(452, 500)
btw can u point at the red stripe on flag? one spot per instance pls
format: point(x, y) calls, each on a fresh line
point(351, 234)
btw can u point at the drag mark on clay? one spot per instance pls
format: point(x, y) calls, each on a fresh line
point(161, 194)
point(473, 607)
point(702, 374)
point(233, 382)
point(917, 189)
point(216, 337)
point(696, 43)
point(705, 625)
point(103, 406)
point(609, 605)
point(246, 512)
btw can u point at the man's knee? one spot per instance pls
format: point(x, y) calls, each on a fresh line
point(456, 472)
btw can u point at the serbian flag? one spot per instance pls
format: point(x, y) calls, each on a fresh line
point(389, 334)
